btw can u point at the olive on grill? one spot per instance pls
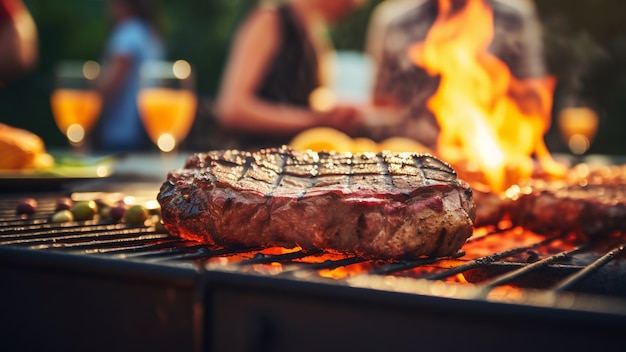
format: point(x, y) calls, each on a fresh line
point(84, 210)
point(101, 203)
point(104, 212)
point(136, 215)
point(159, 227)
point(26, 206)
point(62, 216)
point(63, 203)
point(117, 212)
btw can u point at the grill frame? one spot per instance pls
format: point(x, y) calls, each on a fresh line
point(222, 307)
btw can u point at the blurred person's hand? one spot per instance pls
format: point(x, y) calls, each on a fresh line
point(345, 118)
point(383, 116)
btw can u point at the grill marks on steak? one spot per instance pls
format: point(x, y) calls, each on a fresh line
point(384, 205)
point(279, 171)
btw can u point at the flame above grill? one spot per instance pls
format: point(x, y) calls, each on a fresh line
point(488, 117)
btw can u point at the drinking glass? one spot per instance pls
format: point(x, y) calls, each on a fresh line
point(578, 126)
point(75, 101)
point(167, 102)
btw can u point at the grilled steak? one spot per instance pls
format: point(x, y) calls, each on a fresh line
point(384, 206)
point(589, 208)
point(589, 201)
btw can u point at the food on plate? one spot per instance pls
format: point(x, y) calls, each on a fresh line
point(21, 149)
point(375, 205)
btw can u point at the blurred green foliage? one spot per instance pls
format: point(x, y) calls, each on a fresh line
point(585, 46)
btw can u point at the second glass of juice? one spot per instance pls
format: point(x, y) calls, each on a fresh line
point(167, 102)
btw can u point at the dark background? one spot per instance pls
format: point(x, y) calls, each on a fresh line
point(585, 43)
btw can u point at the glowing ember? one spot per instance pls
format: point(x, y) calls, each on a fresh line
point(346, 271)
point(488, 118)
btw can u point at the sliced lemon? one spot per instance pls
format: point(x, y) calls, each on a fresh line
point(363, 144)
point(403, 144)
point(322, 139)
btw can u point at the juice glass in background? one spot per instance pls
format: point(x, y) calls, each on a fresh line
point(75, 101)
point(167, 102)
point(578, 126)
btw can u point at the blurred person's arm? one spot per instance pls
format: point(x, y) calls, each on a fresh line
point(115, 75)
point(18, 40)
point(239, 107)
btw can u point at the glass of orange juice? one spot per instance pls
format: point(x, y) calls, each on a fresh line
point(578, 126)
point(167, 102)
point(75, 101)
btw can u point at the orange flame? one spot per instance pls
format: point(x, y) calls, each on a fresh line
point(487, 117)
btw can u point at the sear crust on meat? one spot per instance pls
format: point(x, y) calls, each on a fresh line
point(491, 208)
point(589, 201)
point(383, 206)
point(589, 209)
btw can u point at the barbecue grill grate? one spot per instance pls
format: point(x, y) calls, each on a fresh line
point(240, 298)
point(543, 258)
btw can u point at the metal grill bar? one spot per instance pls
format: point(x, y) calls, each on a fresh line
point(261, 258)
point(102, 246)
point(11, 224)
point(143, 246)
point(68, 235)
point(328, 264)
point(395, 267)
point(496, 231)
point(588, 270)
point(501, 280)
point(43, 230)
point(146, 244)
point(180, 253)
point(485, 261)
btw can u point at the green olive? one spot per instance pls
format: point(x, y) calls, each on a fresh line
point(136, 215)
point(62, 216)
point(84, 210)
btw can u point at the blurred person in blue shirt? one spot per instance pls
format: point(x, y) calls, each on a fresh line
point(134, 40)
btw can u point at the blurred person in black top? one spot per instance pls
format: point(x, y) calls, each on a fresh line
point(276, 62)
